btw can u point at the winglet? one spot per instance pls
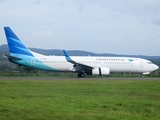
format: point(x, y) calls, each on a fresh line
point(68, 58)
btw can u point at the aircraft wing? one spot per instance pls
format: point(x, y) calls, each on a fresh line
point(77, 66)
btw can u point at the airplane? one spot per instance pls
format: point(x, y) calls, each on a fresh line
point(21, 55)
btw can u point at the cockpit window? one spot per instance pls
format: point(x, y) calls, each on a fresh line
point(149, 62)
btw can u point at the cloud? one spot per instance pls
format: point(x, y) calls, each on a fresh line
point(41, 33)
point(156, 20)
point(117, 26)
point(2, 1)
point(37, 2)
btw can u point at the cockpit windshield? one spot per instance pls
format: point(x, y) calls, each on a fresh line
point(149, 62)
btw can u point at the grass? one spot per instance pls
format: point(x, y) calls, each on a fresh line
point(79, 99)
point(70, 74)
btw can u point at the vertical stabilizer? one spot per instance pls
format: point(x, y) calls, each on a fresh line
point(15, 45)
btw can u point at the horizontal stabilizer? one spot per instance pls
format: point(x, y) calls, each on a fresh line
point(11, 57)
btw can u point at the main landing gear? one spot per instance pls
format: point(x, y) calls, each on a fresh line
point(81, 74)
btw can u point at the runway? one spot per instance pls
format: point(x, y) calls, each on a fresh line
point(74, 78)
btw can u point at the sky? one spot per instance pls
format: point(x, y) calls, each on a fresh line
point(128, 27)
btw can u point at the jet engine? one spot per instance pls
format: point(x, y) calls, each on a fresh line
point(101, 71)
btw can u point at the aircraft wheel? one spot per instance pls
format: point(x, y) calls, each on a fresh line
point(81, 74)
point(78, 75)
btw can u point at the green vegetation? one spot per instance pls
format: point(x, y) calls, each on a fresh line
point(79, 99)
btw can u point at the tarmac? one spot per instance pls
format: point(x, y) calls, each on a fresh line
point(74, 78)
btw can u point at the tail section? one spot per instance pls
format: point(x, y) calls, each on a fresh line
point(21, 55)
point(15, 45)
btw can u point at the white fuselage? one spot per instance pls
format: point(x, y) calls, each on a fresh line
point(115, 64)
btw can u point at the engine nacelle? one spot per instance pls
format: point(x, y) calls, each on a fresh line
point(101, 71)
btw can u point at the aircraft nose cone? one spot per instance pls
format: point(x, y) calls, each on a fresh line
point(156, 67)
